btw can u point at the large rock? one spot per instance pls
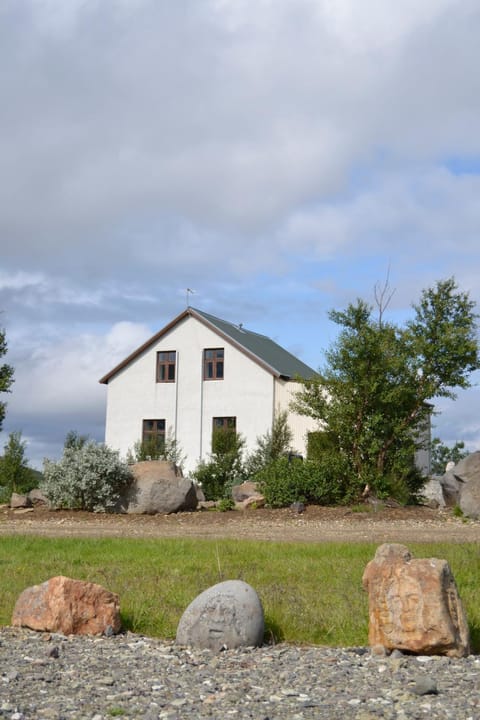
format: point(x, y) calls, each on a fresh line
point(18, 500)
point(244, 491)
point(451, 488)
point(467, 471)
point(158, 488)
point(37, 497)
point(469, 502)
point(414, 604)
point(432, 491)
point(72, 607)
point(229, 614)
point(469, 468)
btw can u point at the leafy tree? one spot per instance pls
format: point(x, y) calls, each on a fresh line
point(271, 445)
point(90, 477)
point(442, 454)
point(6, 376)
point(74, 441)
point(372, 398)
point(15, 475)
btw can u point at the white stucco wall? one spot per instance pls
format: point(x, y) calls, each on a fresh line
point(300, 425)
point(189, 405)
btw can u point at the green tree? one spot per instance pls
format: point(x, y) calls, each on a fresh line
point(74, 441)
point(6, 376)
point(442, 454)
point(15, 475)
point(224, 468)
point(372, 397)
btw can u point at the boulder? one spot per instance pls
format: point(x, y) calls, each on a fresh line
point(19, 501)
point(469, 468)
point(451, 487)
point(244, 491)
point(254, 501)
point(157, 487)
point(432, 492)
point(229, 615)
point(467, 471)
point(470, 499)
point(414, 604)
point(37, 497)
point(71, 607)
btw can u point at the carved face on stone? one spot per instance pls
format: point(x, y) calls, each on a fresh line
point(219, 618)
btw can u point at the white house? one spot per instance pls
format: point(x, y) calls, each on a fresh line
point(197, 374)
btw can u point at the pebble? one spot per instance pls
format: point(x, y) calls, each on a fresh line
point(139, 678)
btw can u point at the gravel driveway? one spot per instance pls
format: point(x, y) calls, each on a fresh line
point(316, 524)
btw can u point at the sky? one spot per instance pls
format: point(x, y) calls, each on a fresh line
point(278, 157)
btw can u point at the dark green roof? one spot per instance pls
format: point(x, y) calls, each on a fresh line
point(261, 347)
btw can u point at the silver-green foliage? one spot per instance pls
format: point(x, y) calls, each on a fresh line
point(90, 477)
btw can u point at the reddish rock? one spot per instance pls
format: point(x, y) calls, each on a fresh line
point(414, 604)
point(72, 607)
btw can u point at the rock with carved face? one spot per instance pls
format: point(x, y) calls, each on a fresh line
point(414, 604)
point(229, 615)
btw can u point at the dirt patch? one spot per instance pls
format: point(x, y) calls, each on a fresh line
point(316, 524)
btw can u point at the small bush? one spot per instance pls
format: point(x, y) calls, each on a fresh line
point(89, 477)
point(226, 504)
point(225, 466)
point(286, 481)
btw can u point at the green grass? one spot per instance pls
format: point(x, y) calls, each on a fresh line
point(311, 593)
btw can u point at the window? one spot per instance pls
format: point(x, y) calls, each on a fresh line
point(153, 435)
point(166, 366)
point(213, 364)
point(224, 434)
point(224, 423)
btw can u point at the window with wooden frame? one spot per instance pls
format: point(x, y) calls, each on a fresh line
point(224, 434)
point(213, 360)
point(153, 435)
point(166, 362)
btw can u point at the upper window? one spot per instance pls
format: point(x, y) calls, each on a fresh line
point(213, 364)
point(166, 366)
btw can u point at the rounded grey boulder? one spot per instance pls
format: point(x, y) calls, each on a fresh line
point(229, 615)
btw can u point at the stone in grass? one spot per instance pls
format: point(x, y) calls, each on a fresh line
point(414, 604)
point(67, 606)
point(228, 615)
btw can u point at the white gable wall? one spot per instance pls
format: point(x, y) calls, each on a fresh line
point(189, 405)
point(300, 425)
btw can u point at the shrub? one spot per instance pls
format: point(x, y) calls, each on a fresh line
point(157, 449)
point(15, 475)
point(286, 481)
point(90, 477)
point(224, 468)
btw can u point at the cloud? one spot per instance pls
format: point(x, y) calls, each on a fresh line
point(276, 157)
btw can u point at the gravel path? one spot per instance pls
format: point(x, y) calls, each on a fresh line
point(59, 678)
point(405, 525)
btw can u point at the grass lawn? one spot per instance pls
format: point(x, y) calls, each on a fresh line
point(311, 593)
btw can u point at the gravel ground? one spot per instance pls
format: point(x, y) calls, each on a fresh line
point(78, 678)
point(60, 678)
point(316, 524)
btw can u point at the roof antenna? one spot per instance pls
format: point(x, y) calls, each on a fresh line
point(189, 292)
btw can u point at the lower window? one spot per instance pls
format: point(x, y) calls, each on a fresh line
point(224, 434)
point(153, 435)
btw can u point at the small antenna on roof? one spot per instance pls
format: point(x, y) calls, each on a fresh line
point(189, 292)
